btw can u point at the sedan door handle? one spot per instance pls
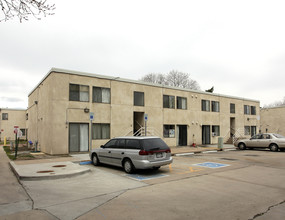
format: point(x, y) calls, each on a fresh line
point(109, 152)
point(123, 153)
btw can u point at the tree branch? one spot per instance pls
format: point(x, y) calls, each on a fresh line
point(25, 8)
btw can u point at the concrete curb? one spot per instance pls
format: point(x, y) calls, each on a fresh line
point(33, 176)
point(202, 152)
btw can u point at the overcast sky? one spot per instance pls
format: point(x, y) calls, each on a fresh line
point(236, 46)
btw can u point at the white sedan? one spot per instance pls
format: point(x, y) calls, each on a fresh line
point(272, 141)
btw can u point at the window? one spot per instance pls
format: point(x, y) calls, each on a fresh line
point(101, 95)
point(246, 109)
point(181, 103)
point(169, 131)
point(215, 106)
point(111, 144)
point(253, 110)
point(216, 130)
point(246, 130)
point(138, 98)
point(133, 144)
point(157, 142)
point(206, 105)
point(232, 108)
point(249, 110)
point(253, 130)
point(101, 131)
point(23, 131)
point(78, 93)
point(27, 116)
point(121, 143)
point(168, 101)
point(4, 116)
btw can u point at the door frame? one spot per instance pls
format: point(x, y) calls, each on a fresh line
point(78, 123)
point(205, 136)
point(182, 137)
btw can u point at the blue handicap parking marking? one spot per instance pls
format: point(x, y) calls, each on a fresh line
point(145, 177)
point(211, 165)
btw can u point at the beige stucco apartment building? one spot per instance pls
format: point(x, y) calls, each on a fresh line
point(11, 118)
point(60, 107)
point(273, 120)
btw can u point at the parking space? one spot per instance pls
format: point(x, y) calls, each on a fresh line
point(182, 167)
point(191, 165)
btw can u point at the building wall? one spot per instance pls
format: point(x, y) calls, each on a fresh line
point(50, 118)
point(16, 117)
point(273, 120)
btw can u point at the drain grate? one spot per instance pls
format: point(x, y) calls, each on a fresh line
point(228, 159)
point(251, 155)
point(45, 171)
point(59, 166)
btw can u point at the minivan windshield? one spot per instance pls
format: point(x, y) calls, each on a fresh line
point(154, 144)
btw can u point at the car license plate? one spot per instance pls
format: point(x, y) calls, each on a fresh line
point(159, 155)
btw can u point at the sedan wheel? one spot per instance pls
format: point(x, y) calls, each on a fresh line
point(273, 147)
point(241, 146)
point(128, 166)
point(95, 160)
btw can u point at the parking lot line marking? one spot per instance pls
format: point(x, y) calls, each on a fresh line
point(194, 170)
point(170, 167)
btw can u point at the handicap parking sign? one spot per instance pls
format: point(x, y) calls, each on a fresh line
point(211, 165)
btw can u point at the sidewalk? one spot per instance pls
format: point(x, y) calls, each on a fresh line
point(179, 151)
point(62, 167)
point(13, 198)
point(52, 168)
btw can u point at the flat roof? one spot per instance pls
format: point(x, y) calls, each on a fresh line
point(13, 109)
point(275, 107)
point(72, 72)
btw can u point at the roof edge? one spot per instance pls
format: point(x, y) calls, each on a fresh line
point(73, 72)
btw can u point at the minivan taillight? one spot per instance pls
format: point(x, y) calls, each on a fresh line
point(168, 151)
point(145, 152)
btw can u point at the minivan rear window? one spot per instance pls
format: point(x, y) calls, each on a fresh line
point(154, 144)
point(133, 144)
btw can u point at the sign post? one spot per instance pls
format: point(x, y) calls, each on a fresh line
point(145, 124)
point(91, 117)
point(16, 131)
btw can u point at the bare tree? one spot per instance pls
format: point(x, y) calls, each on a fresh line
point(276, 104)
point(180, 79)
point(154, 78)
point(25, 8)
point(173, 78)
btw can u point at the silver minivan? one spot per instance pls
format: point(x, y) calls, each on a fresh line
point(133, 153)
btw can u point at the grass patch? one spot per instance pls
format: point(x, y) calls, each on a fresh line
point(9, 152)
point(21, 156)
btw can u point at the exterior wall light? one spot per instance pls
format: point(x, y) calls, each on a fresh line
point(86, 110)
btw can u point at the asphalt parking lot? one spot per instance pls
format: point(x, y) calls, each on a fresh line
point(223, 185)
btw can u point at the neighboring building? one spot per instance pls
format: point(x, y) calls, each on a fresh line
point(11, 118)
point(273, 120)
point(60, 106)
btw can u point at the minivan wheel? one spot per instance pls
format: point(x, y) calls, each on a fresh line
point(128, 166)
point(241, 146)
point(273, 147)
point(95, 160)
